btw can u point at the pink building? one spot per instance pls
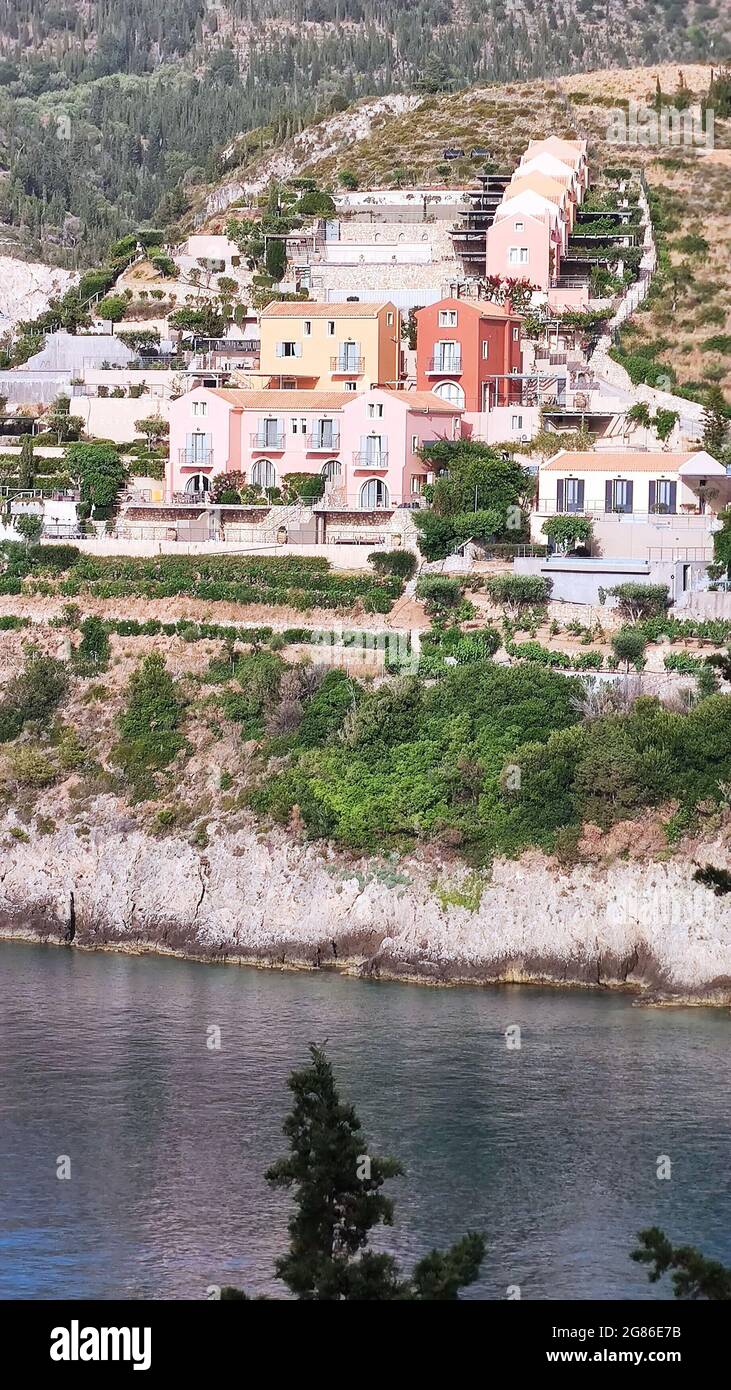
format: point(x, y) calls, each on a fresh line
point(382, 434)
point(525, 242)
point(365, 445)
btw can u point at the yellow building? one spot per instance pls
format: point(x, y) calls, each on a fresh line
point(330, 347)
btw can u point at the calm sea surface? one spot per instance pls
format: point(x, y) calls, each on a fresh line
point(551, 1150)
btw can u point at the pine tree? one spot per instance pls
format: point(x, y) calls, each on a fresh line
point(715, 421)
point(694, 1276)
point(338, 1201)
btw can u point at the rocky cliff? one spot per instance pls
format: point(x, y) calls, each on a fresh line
point(262, 898)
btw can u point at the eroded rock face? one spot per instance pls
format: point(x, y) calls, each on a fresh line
point(263, 898)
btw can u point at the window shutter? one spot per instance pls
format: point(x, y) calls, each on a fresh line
point(559, 495)
point(630, 491)
point(580, 496)
point(652, 495)
point(673, 497)
point(608, 495)
point(280, 349)
point(298, 349)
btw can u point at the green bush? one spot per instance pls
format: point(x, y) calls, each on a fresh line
point(92, 654)
point(629, 645)
point(516, 591)
point(33, 695)
point(149, 726)
point(438, 593)
point(638, 601)
point(401, 563)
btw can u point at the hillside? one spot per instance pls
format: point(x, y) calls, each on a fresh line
point(112, 112)
point(684, 327)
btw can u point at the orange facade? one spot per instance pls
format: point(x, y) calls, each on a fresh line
point(463, 347)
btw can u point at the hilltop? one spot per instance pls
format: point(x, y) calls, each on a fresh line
point(114, 113)
point(400, 142)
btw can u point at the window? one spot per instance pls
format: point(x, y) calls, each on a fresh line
point(518, 255)
point(447, 318)
point(516, 334)
point(417, 483)
point(264, 473)
point(518, 226)
point(374, 493)
point(485, 350)
point(517, 422)
point(570, 495)
point(200, 407)
point(350, 385)
point(289, 349)
point(618, 495)
point(307, 327)
point(375, 411)
point(331, 469)
point(198, 483)
point(414, 443)
point(663, 496)
point(450, 391)
point(389, 319)
point(331, 328)
point(293, 425)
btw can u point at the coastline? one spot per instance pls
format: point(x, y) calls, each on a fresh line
point(256, 898)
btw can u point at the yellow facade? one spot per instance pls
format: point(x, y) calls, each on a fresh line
point(331, 347)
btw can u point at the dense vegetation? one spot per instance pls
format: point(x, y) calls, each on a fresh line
point(144, 98)
point(412, 762)
point(296, 582)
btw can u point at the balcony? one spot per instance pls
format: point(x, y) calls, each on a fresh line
point(323, 442)
point(195, 458)
point(347, 366)
point(270, 440)
point(444, 365)
point(376, 462)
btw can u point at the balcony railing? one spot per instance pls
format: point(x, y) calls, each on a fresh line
point(697, 520)
point(347, 366)
point(323, 441)
point(271, 440)
point(444, 365)
point(197, 458)
point(363, 459)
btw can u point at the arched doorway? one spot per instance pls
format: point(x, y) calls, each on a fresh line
point(450, 391)
point(198, 483)
point(331, 470)
point(373, 494)
point(264, 474)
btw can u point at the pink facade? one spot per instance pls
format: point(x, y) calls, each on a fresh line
point(382, 433)
point(364, 445)
point(533, 223)
point(524, 246)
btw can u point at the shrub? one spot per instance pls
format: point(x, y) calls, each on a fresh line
point(33, 694)
point(638, 601)
point(438, 592)
point(629, 645)
point(401, 563)
point(517, 591)
point(92, 654)
point(149, 725)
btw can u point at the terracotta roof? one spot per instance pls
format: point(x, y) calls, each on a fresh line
point(425, 400)
point(536, 183)
point(285, 400)
point(554, 144)
point(303, 309)
point(644, 462)
point(486, 310)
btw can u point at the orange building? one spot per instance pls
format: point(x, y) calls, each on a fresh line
point(463, 347)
